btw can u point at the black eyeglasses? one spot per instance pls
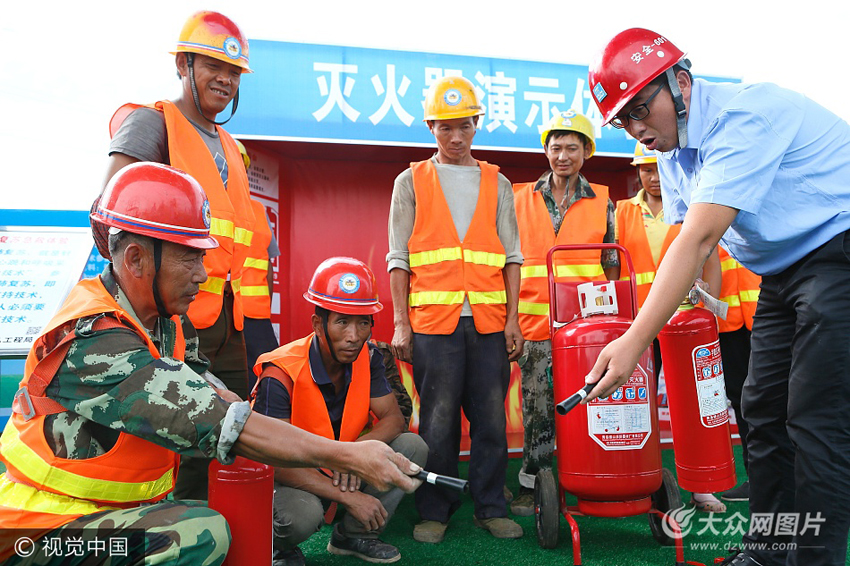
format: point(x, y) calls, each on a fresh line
point(639, 112)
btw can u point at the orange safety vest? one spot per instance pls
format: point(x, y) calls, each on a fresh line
point(232, 222)
point(446, 270)
point(585, 223)
point(309, 411)
point(749, 286)
point(740, 290)
point(43, 491)
point(632, 236)
point(256, 301)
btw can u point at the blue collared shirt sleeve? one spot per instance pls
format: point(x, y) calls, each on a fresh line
point(743, 147)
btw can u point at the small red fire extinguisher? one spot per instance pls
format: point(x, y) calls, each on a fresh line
point(696, 394)
point(242, 492)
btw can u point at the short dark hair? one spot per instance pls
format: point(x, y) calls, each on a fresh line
point(118, 242)
point(554, 134)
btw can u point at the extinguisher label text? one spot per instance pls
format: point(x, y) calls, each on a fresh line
point(623, 420)
point(711, 387)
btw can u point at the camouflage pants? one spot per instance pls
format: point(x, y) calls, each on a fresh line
point(538, 410)
point(175, 533)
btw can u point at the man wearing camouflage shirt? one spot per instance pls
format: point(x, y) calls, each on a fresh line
point(114, 389)
point(560, 208)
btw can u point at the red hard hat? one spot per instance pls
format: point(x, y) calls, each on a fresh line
point(344, 285)
point(158, 201)
point(628, 63)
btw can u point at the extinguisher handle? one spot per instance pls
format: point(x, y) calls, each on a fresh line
point(570, 402)
point(448, 482)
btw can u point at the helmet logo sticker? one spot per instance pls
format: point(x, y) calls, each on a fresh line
point(349, 283)
point(568, 114)
point(452, 97)
point(599, 92)
point(568, 123)
point(232, 48)
point(206, 214)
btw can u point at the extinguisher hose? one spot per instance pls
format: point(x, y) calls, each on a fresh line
point(455, 484)
point(570, 402)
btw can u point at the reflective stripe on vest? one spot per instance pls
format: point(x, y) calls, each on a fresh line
point(632, 236)
point(132, 471)
point(484, 258)
point(444, 270)
point(255, 290)
point(585, 222)
point(729, 293)
point(256, 263)
point(24, 459)
point(539, 309)
point(20, 496)
point(214, 285)
point(254, 287)
point(435, 298)
point(644, 278)
point(430, 257)
point(750, 296)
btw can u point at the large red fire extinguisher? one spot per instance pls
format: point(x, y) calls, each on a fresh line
point(696, 394)
point(242, 492)
point(609, 454)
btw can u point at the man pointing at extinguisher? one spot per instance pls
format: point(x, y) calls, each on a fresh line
point(766, 170)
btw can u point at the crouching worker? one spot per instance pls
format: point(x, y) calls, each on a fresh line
point(114, 390)
point(329, 383)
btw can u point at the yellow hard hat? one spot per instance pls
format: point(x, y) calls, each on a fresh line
point(450, 98)
point(214, 35)
point(643, 155)
point(245, 159)
point(571, 121)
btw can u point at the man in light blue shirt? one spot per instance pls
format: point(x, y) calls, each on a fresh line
point(765, 172)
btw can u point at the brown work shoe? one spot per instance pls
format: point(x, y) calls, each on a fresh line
point(523, 504)
point(430, 531)
point(499, 527)
point(508, 495)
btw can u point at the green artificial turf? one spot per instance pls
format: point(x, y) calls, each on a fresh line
point(604, 541)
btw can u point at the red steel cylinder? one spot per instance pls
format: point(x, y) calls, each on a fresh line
point(696, 394)
point(609, 453)
point(242, 492)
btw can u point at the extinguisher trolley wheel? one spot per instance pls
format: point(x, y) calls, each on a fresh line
point(547, 513)
point(666, 499)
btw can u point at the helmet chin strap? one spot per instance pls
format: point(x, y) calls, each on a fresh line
point(190, 59)
point(325, 314)
point(157, 262)
point(679, 103)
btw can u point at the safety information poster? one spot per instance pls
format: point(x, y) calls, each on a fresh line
point(38, 268)
point(711, 388)
point(623, 420)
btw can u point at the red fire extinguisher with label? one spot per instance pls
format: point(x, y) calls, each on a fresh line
point(242, 492)
point(696, 394)
point(609, 454)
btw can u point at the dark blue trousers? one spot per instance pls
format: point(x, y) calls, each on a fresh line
point(465, 370)
point(796, 400)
